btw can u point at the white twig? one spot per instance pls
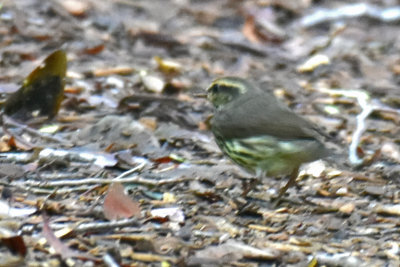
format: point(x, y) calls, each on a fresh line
point(134, 169)
point(133, 179)
point(367, 107)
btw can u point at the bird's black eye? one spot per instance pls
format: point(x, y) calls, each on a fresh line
point(215, 88)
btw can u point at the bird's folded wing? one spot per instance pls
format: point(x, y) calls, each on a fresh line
point(261, 114)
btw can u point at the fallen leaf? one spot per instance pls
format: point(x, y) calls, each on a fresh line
point(15, 244)
point(119, 205)
point(249, 30)
point(58, 246)
point(42, 91)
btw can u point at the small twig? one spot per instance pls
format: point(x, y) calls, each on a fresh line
point(62, 191)
point(17, 157)
point(102, 226)
point(109, 261)
point(134, 169)
point(56, 175)
point(148, 257)
point(367, 107)
point(132, 179)
point(364, 102)
point(11, 122)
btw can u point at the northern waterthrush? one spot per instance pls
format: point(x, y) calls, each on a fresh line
point(259, 133)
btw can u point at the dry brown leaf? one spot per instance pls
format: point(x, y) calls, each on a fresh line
point(60, 248)
point(249, 30)
point(119, 205)
point(149, 122)
point(16, 244)
point(42, 90)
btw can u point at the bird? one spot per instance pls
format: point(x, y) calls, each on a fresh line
point(261, 134)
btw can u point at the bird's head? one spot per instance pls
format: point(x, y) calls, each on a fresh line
point(224, 90)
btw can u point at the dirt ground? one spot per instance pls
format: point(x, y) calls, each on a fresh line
point(128, 173)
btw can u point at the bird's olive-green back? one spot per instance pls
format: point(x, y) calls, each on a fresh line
point(257, 112)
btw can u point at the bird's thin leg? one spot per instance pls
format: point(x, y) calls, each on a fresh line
point(248, 186)
point(290, 183)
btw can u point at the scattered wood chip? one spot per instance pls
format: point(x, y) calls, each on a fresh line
point(75, 7)
point(174, 214)
point(120, 70)
point(7, 211)
point(375, 190)
point(152, 83)
point(388, 209)
point(313, 63)
point(168, 66)
point(347, 208)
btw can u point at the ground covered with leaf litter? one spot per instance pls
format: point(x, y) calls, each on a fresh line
point(127, 173)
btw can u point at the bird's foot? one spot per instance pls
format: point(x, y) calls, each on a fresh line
point(249, 185)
